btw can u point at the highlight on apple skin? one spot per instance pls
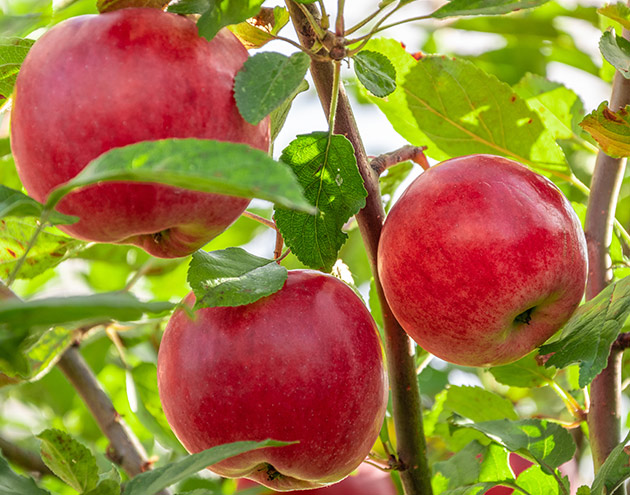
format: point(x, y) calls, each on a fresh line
point(97, 82)
point(303, 364)
point(482, 260)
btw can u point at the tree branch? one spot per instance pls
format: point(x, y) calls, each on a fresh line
point(30, 461)
point(605, 404)
point(415, 473)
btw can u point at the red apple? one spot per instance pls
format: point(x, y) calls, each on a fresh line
point(368, 480)
point(93, 83)
point(303, 364)
point(482, 260)
point(518, 465)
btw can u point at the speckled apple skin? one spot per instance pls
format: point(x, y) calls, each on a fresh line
point(302, 364)
point(98, 82)
point(471, 244)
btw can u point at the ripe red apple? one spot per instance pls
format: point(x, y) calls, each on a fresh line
point(303, 364)
point(368, 480)
point(482, 260)
point(518, 465)
point(98, 82)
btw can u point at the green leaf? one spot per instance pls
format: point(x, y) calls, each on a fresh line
point(186, 7)
point(51, 311)
point(225, 12)
point(12, 360)
point(263, 28)
point(44, 351)
point(391, 180)
point(548, 443)
point(279, 116)
point(375, 72)
point(526, 372)
point(484, 7)
point(332, 183)
point(454, 108)
point(266, 80)
point(587, 337)
point(479, 404)
point(106, 487)
point(14, 484)
point(616, 50)
point(536, 482)
point(12, 54)
point(17, 204)
point(583, 490)
point(233, 277)
point(610, 129)
point(618, 12)
point(69, 460)
point(144, 401)
point(197, 164)
point(50, 248)
point(614, 471)
point(150, 482)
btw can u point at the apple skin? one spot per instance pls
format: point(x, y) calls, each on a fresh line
point(368, 480)
point(303, 364)
point(97, 82)
point(482, 260)
point(518, 465)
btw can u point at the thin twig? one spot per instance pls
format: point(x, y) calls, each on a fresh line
point(266, 222)
point(30, 461)
point(407, 152)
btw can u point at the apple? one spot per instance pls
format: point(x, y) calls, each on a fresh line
point(368, 480)
point(303, 364)
point(482, 260)
point(518, 465)
point(97, 82)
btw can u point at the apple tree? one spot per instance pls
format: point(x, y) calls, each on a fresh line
point(342, 247)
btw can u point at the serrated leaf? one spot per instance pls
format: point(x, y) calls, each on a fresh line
point(50, 248)
point(198, 164)
point(12, 359)
point(12, 53)
point(332, 183)
point(51, 311)
point(484, 7)
point(610, 129)
point(69, 460)
point(479, 404)
point(144, 401)
point(454, 108)
point(12, 483)
point(536, 482)
point(583, 490)
point(619, 12)
point(548, 443)
point(225, 12)
point(266, 80)
point(43, 351)
point(614, 471)
point(14, 203)
point(375, 72)
point(150, 482)
point(257, 31)
point(279, 116)
point(233, 277)
point(526, 372)
point(106, 487)
point(588, 335)
point(112, 5)
point(616, 50)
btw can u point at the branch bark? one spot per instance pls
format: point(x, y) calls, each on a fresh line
point(30, 461)
point(415, 473)
point(605, 406)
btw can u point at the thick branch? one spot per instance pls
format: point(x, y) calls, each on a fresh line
point(415, 474)
point(30, 461)
point(604, 412)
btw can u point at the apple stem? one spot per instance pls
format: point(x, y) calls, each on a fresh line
point(267, 223)
point(407, 152)
point(604, 414)
point(407, 409)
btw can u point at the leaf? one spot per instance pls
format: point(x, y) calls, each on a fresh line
point(479, 404)
point(375, 72)
point(106, 487)
point(197, 164)
point(616, 50)
point(69, 460)
point(112, 5)
point(17, 204)
point(614, 471)
point(526, 372)
point(45, 350)
point(536, 482)
point(618, 12)
point(51, 311)
point(279, 116)
point(257, 31)
point(610, 129)
point(150, 482)
point(454, 108)
point(548, 443)
point(484, 7)
point(13, 484)
point(233, 277)
point(12, 54)
point(588, 335)
point(12, 359)
point(332, 183)
point(50, 248)
point(225, 12)
point(266, 80)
